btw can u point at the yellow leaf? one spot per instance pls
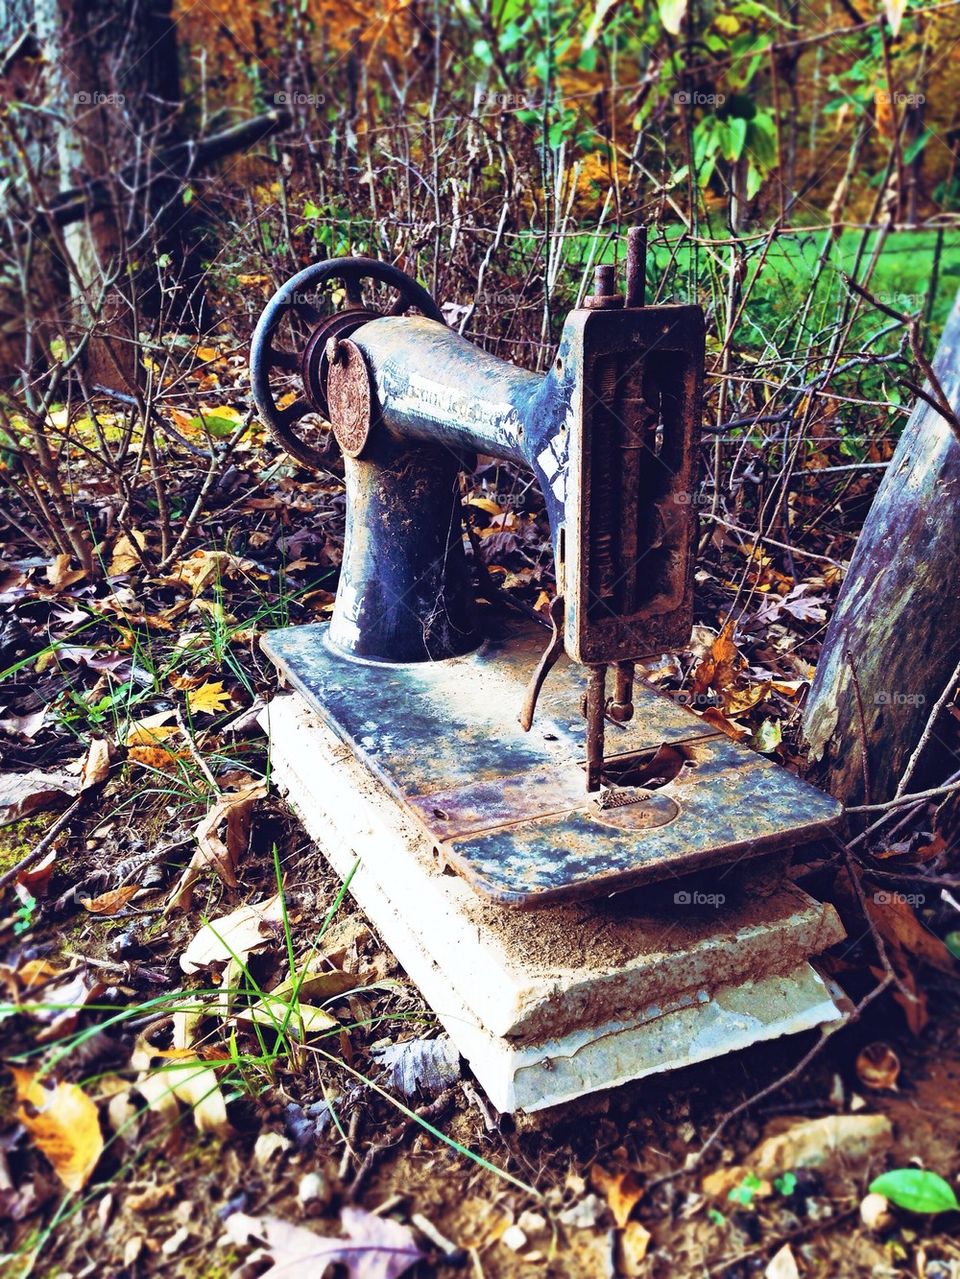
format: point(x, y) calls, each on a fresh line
point(485, 504)
point(153, 757)
point(208, 699)
point(151, 730)
point(276, 1013)
point(63, 1122)
point(207, 353)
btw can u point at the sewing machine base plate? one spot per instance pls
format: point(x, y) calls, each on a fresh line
point(577, 997)
point(509, 811)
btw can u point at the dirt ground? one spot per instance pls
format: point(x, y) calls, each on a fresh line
point(601, 1173)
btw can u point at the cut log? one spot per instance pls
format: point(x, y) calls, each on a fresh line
point(893, 643)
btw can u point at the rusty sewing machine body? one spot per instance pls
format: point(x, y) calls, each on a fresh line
point(538, 787)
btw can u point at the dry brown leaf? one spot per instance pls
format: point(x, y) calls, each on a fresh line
point(632, 1250)
point(895, 920)
point(622, 1190)
point(234, 935)
point(36, 878)
point(96, 763)
point(232, 810)
point(783, 1265)
point(112, 902)
point(713, 715)
point(125, 558)
point(208, 699)
point(60, 575)
point(185, 1078)
point(151, 730)
point(275, 1013)
point(63, 1123)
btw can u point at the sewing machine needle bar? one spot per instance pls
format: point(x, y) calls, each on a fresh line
point(596, 702)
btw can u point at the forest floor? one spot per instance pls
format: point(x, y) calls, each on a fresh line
point(176, 1089)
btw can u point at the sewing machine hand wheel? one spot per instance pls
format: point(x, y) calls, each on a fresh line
point(295, 299)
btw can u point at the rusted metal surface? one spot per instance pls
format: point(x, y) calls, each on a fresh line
point(349, 396)
point(597, 795)
point(300, 295)
point(508, 809)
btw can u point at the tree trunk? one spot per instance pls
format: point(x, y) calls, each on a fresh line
point(893, 643)
point(113, 84)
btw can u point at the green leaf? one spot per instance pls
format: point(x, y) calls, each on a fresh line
point(767, 737)
point(952, 943)
point(311, 210)
point(916, 1190)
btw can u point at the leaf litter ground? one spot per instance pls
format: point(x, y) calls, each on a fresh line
point(197, 1078)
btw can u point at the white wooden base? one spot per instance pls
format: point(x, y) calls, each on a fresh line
point(551, 1005)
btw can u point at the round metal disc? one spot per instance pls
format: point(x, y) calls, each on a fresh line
point(350, 398)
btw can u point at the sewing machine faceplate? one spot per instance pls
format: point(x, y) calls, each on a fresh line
point(508, 810)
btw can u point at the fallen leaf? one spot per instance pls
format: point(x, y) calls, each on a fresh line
point(24, 793)
point(713, 715)
point(63, 1123)
point(233, 808)
point(112, 902)
point(277, 1013)
point(814, 1143)
point(203, 567)
point(125, 558)
point(317, 987)
point(895, 920)
point(632, 1250)
point(233, 936)
point(96, 763)
point(208, 699)
point(60, 575)
point(151, 730)
point(186, 1079)
point(36, 878)
point(622, 1190)
point(375, 1247)
point(424, 1066)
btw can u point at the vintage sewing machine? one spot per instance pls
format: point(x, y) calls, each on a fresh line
point(535, 764)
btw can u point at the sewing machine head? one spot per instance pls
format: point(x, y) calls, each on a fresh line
point(406, 674)
point(610, 432)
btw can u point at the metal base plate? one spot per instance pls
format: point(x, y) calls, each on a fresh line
point(508, 810)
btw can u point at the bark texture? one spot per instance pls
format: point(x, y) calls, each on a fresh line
point(894, 640)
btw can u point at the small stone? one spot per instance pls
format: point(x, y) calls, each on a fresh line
point(313, 1192)
point(532, 1223)
point(268, 1146)
point(175, 1242)
point(514, 1238)
point(585, 1214)
point(875, 1213)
